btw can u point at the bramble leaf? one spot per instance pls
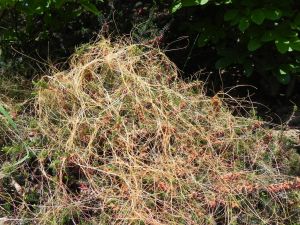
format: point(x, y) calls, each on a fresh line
point(258, 16)
point(296, 45)
point(273, 14)
point(282, 46)
point(244, 24)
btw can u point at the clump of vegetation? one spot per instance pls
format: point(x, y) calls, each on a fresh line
point(14, 93)
point(246, 33)
point(44, 29)
point(117, 138)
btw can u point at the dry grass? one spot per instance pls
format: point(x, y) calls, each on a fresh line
point(121, 140)
point(14, 95)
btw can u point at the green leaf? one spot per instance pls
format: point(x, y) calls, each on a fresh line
point(7, 117)
point(282, 46)
point(258, 16)
point(283, 75)
point(254, 44)
point(231, 14)
point(244, 24)
point(59, 3)
point(273, 14)
point(90, 7)
point(202, 2)
point(7, 3)
point(186, 3)
point(296, 45)
point(176, 7)
point(294, 68)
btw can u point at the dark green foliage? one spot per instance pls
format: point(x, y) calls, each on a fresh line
point(46, 27)
point(259, 35)
point(47, 30)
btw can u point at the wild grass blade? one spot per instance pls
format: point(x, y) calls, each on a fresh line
point(7, 117)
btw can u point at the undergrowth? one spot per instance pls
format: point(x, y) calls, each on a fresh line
point(119, 139)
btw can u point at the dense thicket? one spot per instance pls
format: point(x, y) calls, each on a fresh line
point(261, 36)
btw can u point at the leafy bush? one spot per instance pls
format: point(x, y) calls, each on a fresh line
point(260, 35)
point(46, 26)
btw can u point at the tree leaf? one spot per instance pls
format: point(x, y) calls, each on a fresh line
point(59, 3)
point(90, 7)
point(244, 24)
point(283, 75)
point(296, 45)
point(292, 68)
point(175, 7)
point(186, 3)
point(282, 46)
point(202, 2)
point(7, 3)
point(258, 16)
point(273, 14)
point(254, 44)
